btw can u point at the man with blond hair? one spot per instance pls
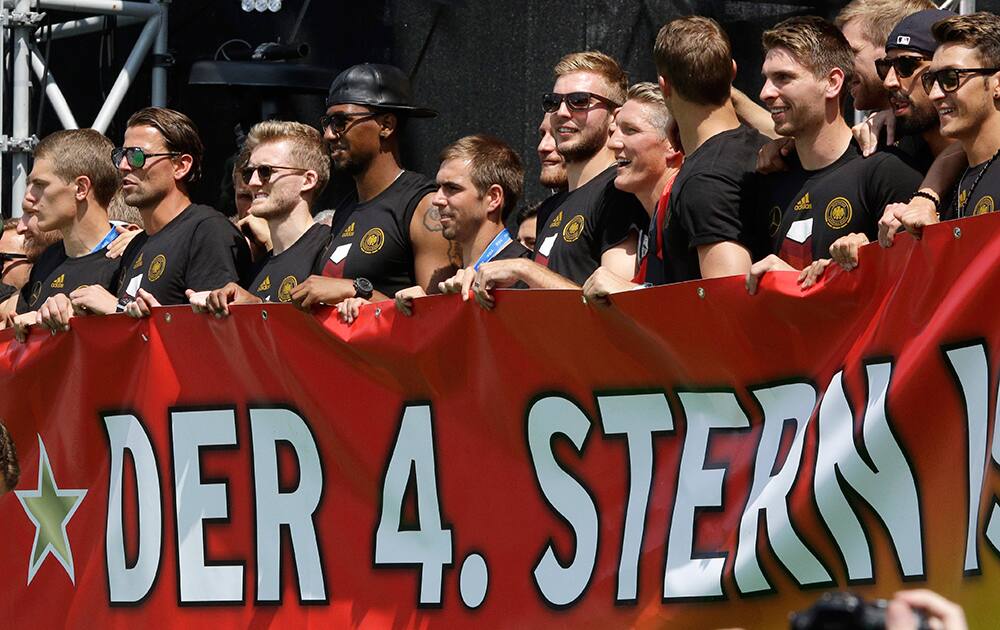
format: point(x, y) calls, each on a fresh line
point(593, 224)
point(647, 163)
point(866, 24)
point(710, 225)
point(70, 186)
point(829, 190)
point(287, 169)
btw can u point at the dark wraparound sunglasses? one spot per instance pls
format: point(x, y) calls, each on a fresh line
point(950, 79)
point(135, 156)
point(341, 122)
point(575, 101)
point(8, 257)
point(904, 66)
point(264, 172)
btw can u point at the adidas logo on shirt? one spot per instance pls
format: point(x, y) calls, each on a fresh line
point(803, 204)
point(348, 232)
point(556, 222)
point(266, 284)
point(59, 282)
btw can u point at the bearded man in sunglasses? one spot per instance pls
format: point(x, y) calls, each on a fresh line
point(286, 171)
point(829, 190)
point(592, 224)
point(185, 245)
point(387, 236)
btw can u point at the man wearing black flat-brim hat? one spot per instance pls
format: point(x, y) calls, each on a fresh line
point(388, 236)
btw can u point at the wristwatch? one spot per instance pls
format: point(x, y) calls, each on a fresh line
point(363, 288)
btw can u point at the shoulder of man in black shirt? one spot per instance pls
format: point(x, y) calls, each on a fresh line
point(56, 273)
point(513, 250)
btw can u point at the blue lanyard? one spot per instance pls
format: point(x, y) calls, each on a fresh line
point(111, 236)
point(499, 241)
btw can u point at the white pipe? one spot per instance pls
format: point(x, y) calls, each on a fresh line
point(3, 75)
point(20, 109)
point(110, 7)
point(967, 6)
point(124, 79)
point(83, 26)
point(159, 78)
point(52, 91)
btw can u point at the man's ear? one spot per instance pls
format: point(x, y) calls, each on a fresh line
point(494, 198)
point(311, 181)
point(834, 83)
point(665, 88)
point(83, 187)
point(183, 164)
point(388, 123)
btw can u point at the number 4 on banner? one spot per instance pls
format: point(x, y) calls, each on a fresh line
point(429, 545)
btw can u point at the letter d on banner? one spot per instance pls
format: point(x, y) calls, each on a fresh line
point(130, 585)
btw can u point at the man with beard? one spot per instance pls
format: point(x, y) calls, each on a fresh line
point(388, 237)
point(908, 55)
point(16, 266)
point(185, 245)
point(593, 224)
point(829, 189)
point(866, 25)
point(287, 169)
point(553, 171)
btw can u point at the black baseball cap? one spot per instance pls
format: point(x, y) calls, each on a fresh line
point(914, 31)
point(376, 85)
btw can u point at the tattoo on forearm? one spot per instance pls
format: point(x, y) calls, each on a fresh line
point(432, 219)
point(455, 254)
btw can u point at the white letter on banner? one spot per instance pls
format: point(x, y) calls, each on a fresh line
point(769, 493)
point(887, 485)
point(130, 585)
point(430, 544)
point(637, 417)
point(296, 509)
point(971, 369)
point(548, 417)
point(687, 576)
point(197, 502)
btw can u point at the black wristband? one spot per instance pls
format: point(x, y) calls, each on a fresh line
point(928, 196)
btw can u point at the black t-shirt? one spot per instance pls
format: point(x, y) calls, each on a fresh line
point(54, 272)
point(975, 198)
point(915, 152)
point(808, 210)
point(584, 223)
point(710, 204)
point(277, 275)
point(372, 239)
point(199, 250)
point(6, 291)
point(513, 250)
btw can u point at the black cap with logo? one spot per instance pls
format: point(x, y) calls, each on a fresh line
point(914, 31)
point(378, 86)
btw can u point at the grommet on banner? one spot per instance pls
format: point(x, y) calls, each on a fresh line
point(957, 232)
point(263, 315)
point(144, 337)
point(378, 311)
point(701, 293)
point(167, 317)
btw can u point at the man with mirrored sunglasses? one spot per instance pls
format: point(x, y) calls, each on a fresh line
point(386, 236)
point(184, 245)
point(287, 169)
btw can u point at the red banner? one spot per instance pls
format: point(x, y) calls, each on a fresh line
point(689, 454)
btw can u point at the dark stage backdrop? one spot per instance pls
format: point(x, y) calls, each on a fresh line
point(481, 63)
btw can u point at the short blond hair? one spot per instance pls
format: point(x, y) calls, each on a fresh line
point(82, 153)
point(879, 17)
point(694, 54)
point(649, 93)
point(598, 63)
point(308, 150)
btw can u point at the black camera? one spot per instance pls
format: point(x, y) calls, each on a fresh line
point(846, 611)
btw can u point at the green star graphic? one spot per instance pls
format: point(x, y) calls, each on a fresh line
point(50, 509)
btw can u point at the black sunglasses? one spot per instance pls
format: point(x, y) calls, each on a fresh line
point(135, 156)
point(575, 101)
point(264, 172)
point(342, 121)
point(7, 257)
point(905, 66)
point(950, 78)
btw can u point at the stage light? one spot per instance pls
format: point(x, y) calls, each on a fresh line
point(274, 5)
point(247, 5)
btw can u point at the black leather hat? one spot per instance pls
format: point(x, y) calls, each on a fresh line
point(914, 32)
point(376, 85)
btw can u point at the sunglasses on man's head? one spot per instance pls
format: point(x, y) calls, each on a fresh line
point(905, 66)
point(135, 157)
point(264, 172)
point(342, 121)
point(950, 79)
point(575, 101)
